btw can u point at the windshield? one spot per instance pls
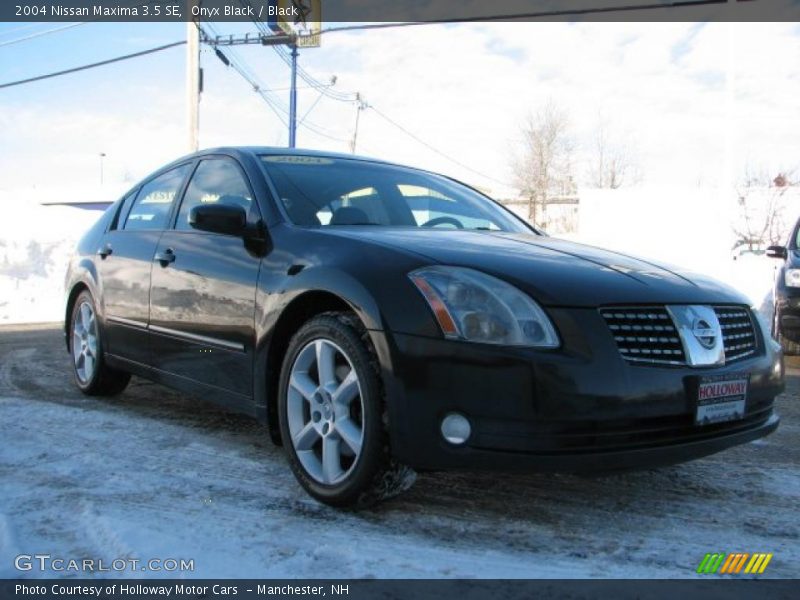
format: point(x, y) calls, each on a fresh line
point(328, 192)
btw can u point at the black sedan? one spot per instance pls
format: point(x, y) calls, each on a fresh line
point(381, 319)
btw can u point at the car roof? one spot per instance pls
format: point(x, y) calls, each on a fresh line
point(283, 151)
point(255, 151)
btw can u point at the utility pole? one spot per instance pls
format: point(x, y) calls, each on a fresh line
point(293, 100)
point(283, 35)
point(102, 156)
point(193, 82)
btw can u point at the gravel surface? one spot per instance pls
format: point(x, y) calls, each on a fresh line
point(156, 474)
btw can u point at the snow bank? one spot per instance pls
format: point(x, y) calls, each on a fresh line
point(35, 245)
point(686, 227)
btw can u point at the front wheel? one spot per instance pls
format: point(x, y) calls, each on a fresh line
point(789, 347)
point(331, 410)
point(89, 369)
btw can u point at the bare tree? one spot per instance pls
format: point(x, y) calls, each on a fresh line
point(543, 171)
point(762, 203)
point(613, 161)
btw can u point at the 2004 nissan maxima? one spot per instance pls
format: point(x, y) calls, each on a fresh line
point(381, 319)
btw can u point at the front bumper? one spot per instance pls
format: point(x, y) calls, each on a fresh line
point(581, 408)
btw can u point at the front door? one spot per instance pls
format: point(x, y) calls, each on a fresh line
point(125, 261)
point(202, 301)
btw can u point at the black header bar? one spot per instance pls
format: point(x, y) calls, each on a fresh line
point(329, 12)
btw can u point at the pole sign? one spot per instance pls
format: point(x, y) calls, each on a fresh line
point(301, 18)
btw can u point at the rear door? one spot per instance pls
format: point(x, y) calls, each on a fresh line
point(202, 304)
point(125, 260)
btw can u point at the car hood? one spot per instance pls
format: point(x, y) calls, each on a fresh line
point(553, 271)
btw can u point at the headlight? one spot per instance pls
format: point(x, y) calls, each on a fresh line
point(472, 306)
point(792, 277)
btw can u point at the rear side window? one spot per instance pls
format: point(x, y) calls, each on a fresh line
point(151, 208)
point(216, 181)
point(124, 209)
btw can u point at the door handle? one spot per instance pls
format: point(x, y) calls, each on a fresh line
point(104, 251)
point(165, 257)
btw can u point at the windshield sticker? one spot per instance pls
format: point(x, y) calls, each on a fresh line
point(298, 160)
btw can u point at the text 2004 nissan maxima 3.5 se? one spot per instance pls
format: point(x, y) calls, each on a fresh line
point(381, 319)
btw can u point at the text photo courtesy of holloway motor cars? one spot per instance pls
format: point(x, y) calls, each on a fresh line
point(381, 299)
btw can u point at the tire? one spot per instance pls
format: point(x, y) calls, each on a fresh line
point(789, 347)
point(89, 369)
point(333, 420)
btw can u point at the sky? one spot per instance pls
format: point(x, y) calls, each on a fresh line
point(693, 103)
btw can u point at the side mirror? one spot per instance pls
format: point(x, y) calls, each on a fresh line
point(219, 218)
point(777, 252)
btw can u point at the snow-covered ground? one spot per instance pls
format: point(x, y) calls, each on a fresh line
point(155, 474)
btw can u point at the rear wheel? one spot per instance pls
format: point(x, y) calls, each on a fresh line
point(332, 415)
point(92, 375)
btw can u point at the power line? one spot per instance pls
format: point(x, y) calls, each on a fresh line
point(299, 87)
point(304, 75)
point(315, 129)
point(93, 65)
point(259, 24)
point(432, 148)
point(265, 31)
point(351, 97)
point(64, 27)
point(313, 82)
point(276, 106)
point(41, 33)
point(20, 28)
point(240, 65)
point(310, 108)
point(323, 88)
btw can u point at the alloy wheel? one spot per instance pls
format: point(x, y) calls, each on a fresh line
point(84, 342)
point(325, 411)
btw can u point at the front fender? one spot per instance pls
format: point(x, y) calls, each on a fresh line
point(336, 282)
point(333, 274)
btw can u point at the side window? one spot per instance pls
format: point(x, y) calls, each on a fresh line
point(216, 180)
point(150, 210)
point(125, 207)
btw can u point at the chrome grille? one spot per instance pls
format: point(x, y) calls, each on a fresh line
point(648, 335)
point(738, 332)
point(645, 334)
